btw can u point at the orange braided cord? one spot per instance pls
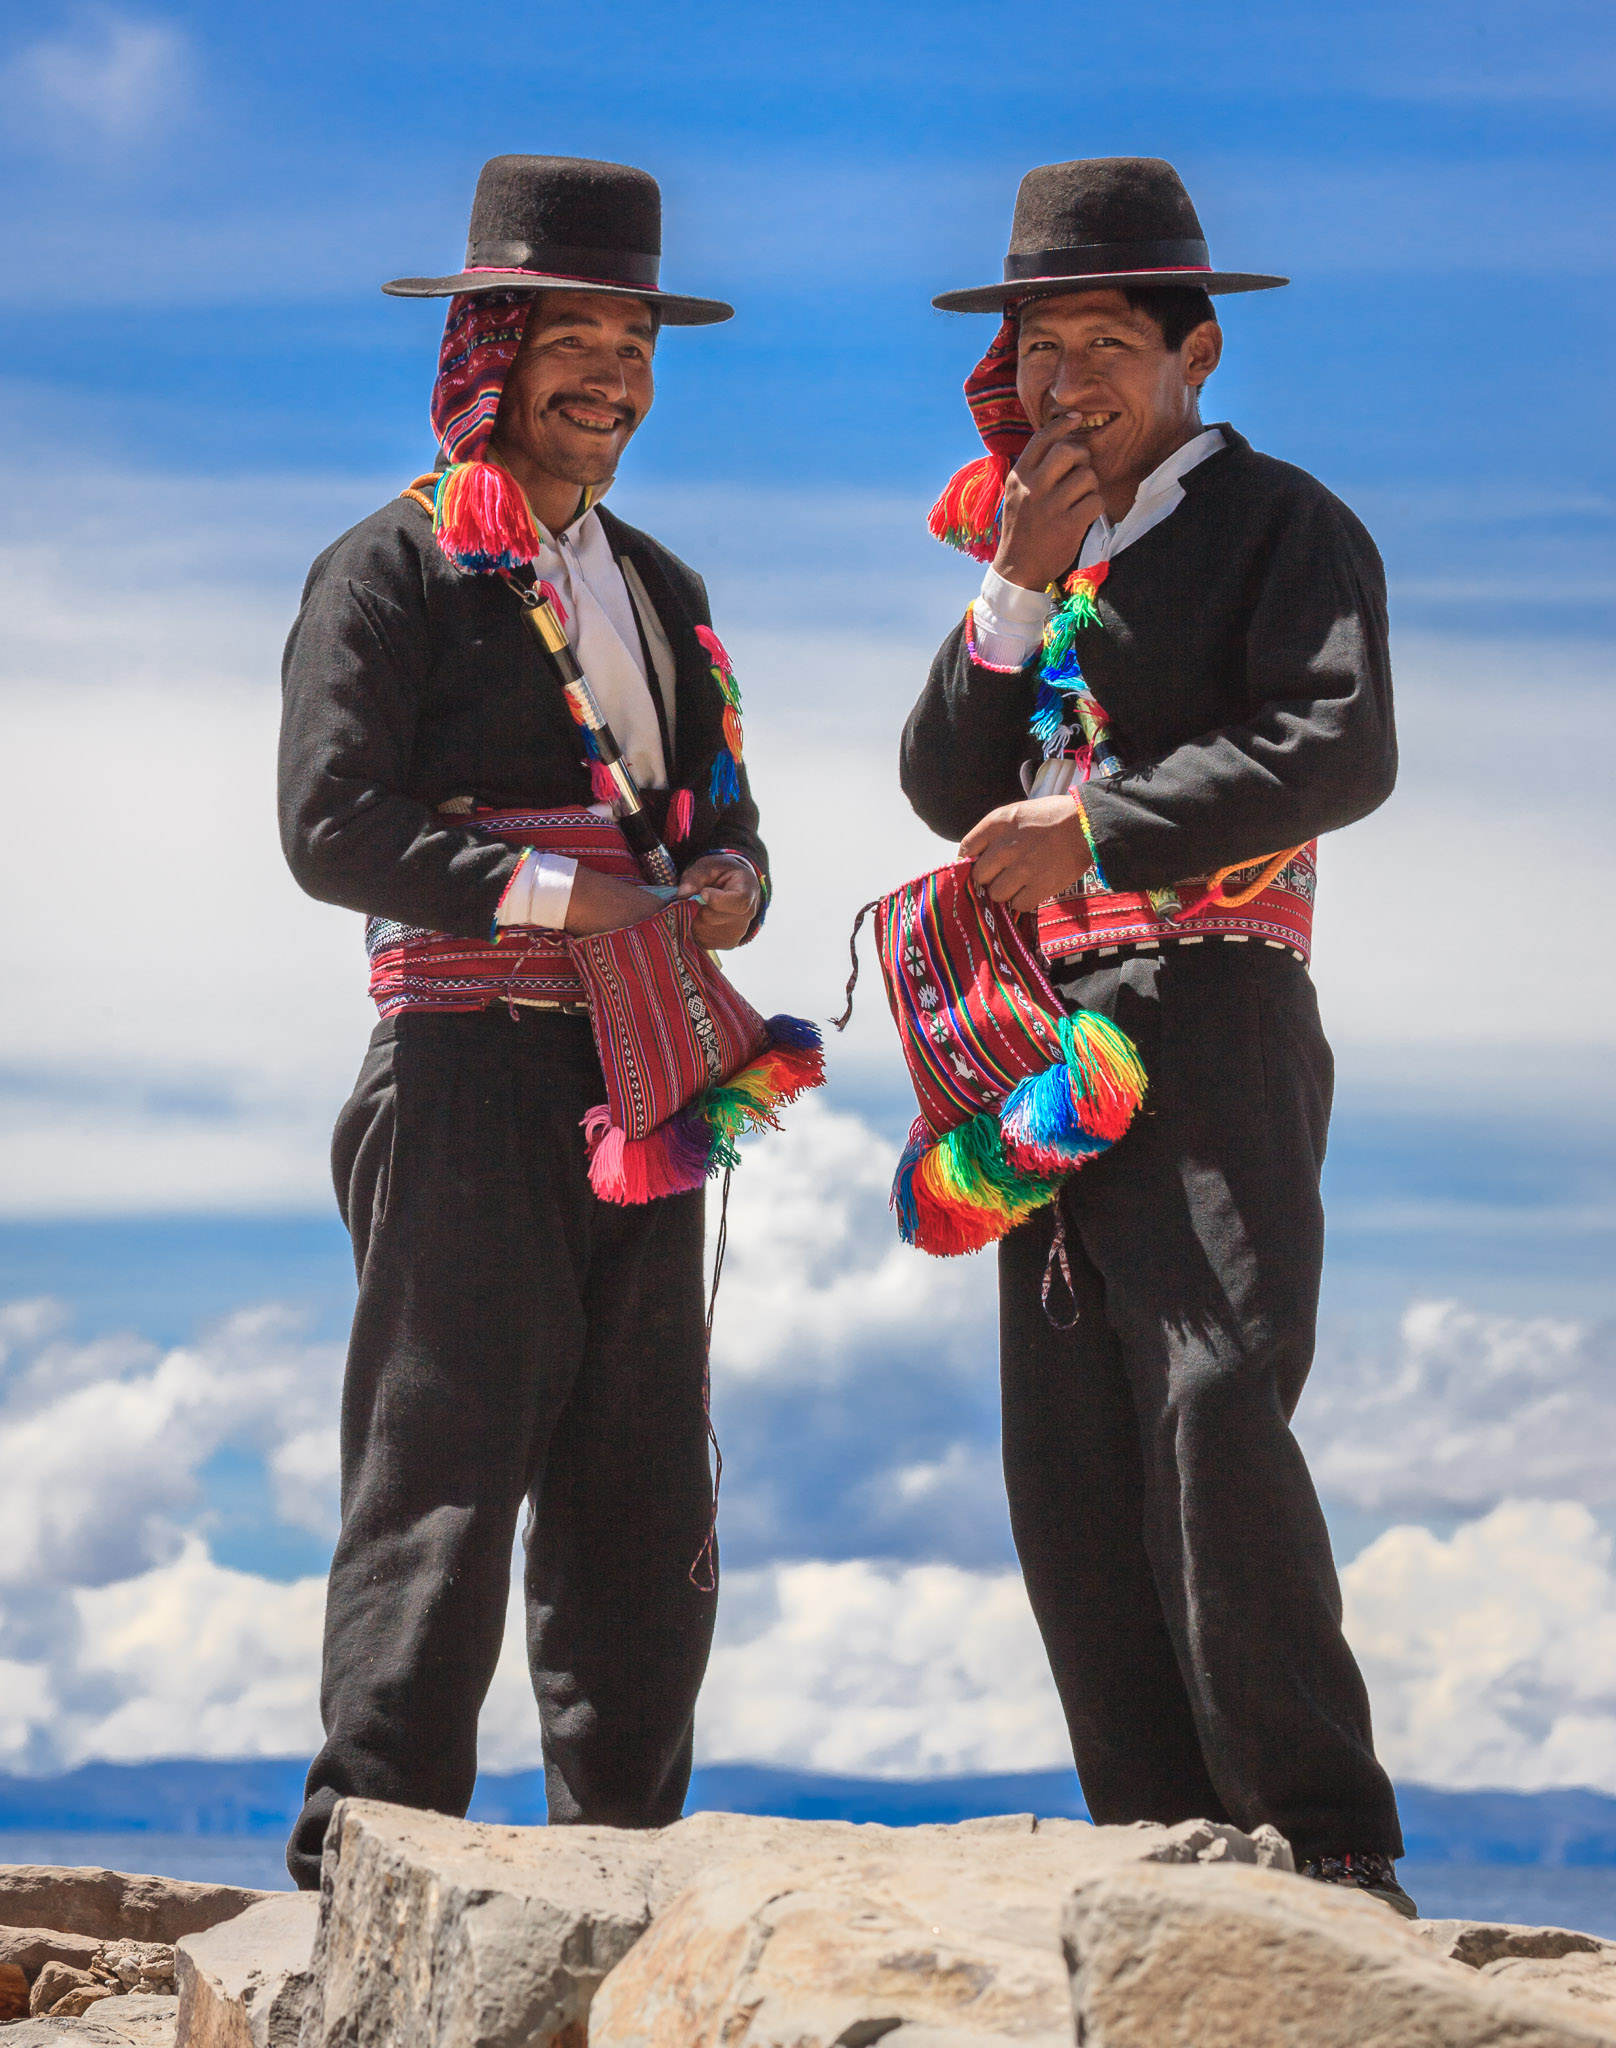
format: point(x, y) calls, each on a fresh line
point(1271, 867)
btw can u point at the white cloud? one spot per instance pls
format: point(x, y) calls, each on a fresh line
point(816, 1280)
point(208, 1662)
point(112, 79)
point(102, 1444)
point(1491, 1656)
point(916, 1672)
point(1471, 1409)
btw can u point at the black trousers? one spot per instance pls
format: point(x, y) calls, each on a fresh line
point(1173, 1547)
point(515, 1339)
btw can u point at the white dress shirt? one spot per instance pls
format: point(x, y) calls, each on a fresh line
point(602, 632)
point(1009, 621)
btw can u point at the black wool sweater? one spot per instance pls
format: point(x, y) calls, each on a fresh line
point(1242, 660)
point(408, 683)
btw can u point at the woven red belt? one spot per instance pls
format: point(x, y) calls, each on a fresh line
point(414, 969)
point(1280, 915)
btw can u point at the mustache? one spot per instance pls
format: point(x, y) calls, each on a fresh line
point(626, 414)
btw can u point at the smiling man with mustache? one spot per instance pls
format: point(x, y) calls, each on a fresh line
point(1175, 678)
point(516, 1338)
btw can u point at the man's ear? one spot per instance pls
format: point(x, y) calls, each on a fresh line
point(1202, 352)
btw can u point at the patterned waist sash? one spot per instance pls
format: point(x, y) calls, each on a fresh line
point(414, 969)
point(1279, 914)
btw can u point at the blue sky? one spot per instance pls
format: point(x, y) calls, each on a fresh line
point(202, 385)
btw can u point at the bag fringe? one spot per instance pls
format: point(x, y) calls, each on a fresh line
point(970, 1187)
point(699, 1140)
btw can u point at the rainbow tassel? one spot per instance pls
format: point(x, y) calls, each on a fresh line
point(681, 811)
point(961, 1193)
point(481, 518)
point(969, 1187)
point(701, 1138)
point(966, 514)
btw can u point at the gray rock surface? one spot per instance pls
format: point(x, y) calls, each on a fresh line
point(1576, 1972)
point(114, 1905)
point(932, 1935)
point(138, 2021)
point(1230, 1958)
point(244, 1984)
point(442, 1932)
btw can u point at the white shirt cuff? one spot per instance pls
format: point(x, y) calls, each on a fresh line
point(540, 891)
point(1008, 622)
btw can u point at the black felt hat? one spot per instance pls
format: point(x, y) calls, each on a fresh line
point(1107, 220)
point(566, 220)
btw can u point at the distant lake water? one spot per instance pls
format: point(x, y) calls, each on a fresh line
point(1534, 1895)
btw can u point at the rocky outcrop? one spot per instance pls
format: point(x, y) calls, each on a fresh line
point(445, 1933)
point(1163, 1958)
point(244, 1984)
point(140, 2020)
point(727, 1931)
point(114, 1906)
point(1576, 1972)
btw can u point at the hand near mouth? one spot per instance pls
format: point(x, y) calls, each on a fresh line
point(1051, 499)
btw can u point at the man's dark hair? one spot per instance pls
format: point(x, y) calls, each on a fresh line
point(1175, 308)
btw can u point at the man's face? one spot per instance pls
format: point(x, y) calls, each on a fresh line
point(580, 385)
point(1091, 354)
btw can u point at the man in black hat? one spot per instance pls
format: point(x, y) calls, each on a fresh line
point(1212, 692)
point(515, 1337)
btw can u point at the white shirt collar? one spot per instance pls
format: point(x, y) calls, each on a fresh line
point(1160, 493)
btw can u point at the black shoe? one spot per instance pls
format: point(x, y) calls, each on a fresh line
point(1369, 1872)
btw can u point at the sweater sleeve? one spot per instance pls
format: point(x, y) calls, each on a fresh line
point(1318, 749)
point(355, 667)
point(965, 740)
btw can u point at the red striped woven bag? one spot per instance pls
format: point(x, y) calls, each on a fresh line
point(1015, 1092)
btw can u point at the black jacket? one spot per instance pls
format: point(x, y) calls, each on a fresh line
point(1242, 660)
point(407, 683)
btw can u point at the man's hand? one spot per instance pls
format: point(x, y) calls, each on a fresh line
point(1050, 501)
point(730, 898)
point(1025, 853)
point(605, 903)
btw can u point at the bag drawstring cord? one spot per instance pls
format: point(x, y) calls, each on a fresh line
point(704, 1571)
point(842, 1021)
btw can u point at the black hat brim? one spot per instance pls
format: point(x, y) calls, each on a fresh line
point(992, 298)
point(676, 310)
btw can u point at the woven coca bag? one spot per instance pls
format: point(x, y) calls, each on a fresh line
point(689, 1064)
point(1015, 1092)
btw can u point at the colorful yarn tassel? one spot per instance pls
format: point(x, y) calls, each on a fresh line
point(700, 1140)
point(481, 518)
point(968, 1188)
point(1056, 1121)
point(1076, 610)
point(725, 784)
point(966, 514)
point(959, 1193)
point(681, 812)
